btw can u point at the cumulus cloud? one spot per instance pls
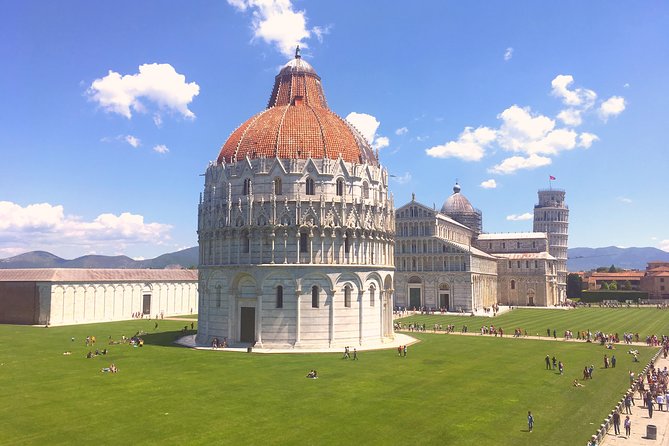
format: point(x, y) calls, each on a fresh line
point(575, 97)
point(401, 131)
point(521, 217)
point(470, 145)
point(515, 163)
point(367, 125)
point(586, 139)
point(402, 179)
point(664, 245)
point(489, 184)
point(625, 200)
point(133, 141)
point(277, 23)
point(508, 54)
point(570, 117)
point(161, 148)
point(46, 226)
point(613, 106)
point(155, 85)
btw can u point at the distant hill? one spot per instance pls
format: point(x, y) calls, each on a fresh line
point(41, 259)
point(585, 259)
point(580, 259)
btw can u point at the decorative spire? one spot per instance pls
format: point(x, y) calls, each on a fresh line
point(297, 52)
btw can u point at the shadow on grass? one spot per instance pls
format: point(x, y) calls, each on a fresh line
point(166, 338)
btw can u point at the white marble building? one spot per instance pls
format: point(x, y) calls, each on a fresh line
point(64, 296)
point(296, 228)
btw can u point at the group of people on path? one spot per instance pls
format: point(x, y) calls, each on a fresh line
point(347, 354)
point(552, 364)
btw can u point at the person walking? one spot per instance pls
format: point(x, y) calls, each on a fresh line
point(561, 367)
point(649, 404)
point(355, 354)
point(548, 362)
point(616, 422)
point(628, 404)
point(530, 421)
point(405, 350)
point(613, 361)
point(628, 426)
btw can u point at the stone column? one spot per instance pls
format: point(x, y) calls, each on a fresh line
point(361, 294)
point(297, 317)
point(332, 317)
point(259, 318)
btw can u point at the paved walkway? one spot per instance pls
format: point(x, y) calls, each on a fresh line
point(640, 420)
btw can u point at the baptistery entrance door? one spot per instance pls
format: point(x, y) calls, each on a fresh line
point(247, 332)
point(444, 295)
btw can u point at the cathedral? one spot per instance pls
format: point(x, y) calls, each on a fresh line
point(296, 228)
point(444, 261)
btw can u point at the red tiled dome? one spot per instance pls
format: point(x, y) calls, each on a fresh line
point(297, 124)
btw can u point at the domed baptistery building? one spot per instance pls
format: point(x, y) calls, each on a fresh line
point(296, 228)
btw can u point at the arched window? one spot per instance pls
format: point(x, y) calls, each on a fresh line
point(314, 296)
point(347, 296)
point(340, 187)
point(372, 297)
point(247, 187)
point(365, 190)
point(513, 284)
point(279, 296)
point(310, 190)
point(246, 243)
point(278, 188)
point(218, 296)
point(303, 242)
point(347, 244)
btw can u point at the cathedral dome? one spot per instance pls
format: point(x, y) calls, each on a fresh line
point(457, 203)
point(297, 124)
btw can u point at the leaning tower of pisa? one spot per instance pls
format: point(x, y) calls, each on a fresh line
point(551, 215)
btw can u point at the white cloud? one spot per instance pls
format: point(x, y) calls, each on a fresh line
point(570, 117)
point(613, 106)
point(586, 139)
point(47, 227)
point(381, 142)
point(627, 85)
point(161, 148)
point(508, 54)
point(515, 163)
point(577, 97)
point(135, 142)
point(402, 179)
point(489, 184)
point(521, 217)
point(401, 131)
point(158, 84)
point(664, 245)
point(367, 125)
point(278, 24)
point(625, 200)
point(470, 145)
point(422, 138)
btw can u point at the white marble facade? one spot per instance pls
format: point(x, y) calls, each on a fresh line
point(296, 253)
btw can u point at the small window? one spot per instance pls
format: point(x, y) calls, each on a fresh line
point(527, 263)
point(310, 189)
point(536, 264)
point(347, 245)
point(503, 245)
point(510, 264)
point(340, 187)
point(303, 242)
point(347, 296)
point(513, 284)
point(247, 187)
point(365, 190)
point(314, 296)
point(278, 186)
point(518, 245)
point(518, 263)
point(372, 296)
point(246, 243)
point(279, 296)
point(534, 244)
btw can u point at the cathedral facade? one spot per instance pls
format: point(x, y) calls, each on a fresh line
point(296, 228)
point(444, 262)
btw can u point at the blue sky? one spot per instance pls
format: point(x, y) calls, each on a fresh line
point(111, 111)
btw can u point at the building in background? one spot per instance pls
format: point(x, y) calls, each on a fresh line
point(296, 228)
point(64, 296)
point(656, 280)
point(551, 215)
point(444, 262)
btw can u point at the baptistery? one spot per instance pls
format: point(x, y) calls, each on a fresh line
point(296, 228)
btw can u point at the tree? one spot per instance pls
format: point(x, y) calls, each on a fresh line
point(574, 286)
point(602, 269)
point(604, 286)
point(613, 269)
point(613, 285)
point(627, 285)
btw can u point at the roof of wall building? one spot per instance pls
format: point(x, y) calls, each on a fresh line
point(512, 235)
point(297, 124)
point(97, 275)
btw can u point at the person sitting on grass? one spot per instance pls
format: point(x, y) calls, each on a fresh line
point(89, 355)
point(577, 384)
point(313, 374)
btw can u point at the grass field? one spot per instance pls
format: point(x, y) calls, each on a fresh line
point(456, 390)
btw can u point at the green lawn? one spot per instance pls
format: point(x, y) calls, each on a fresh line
point(456, 390)
point(644, 320)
